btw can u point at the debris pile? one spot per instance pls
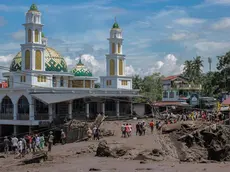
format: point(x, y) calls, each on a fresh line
point(207, 142)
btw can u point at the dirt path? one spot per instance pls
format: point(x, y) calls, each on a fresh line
point(80, 157)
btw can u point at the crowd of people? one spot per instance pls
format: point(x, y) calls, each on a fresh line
point(30, 143)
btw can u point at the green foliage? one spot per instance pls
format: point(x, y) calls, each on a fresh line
point(97, 85)
point(193, 70)
point(150, 87)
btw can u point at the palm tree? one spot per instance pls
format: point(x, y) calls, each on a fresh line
point(137, 83)
point(188, 70)
point(197, 68)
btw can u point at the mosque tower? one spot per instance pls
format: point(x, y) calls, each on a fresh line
point(116, 62)
point(34, 46)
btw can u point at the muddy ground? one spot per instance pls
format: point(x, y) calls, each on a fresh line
point(80, 157)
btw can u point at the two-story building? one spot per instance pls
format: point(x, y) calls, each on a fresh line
point(41, 88)
point(177, 88)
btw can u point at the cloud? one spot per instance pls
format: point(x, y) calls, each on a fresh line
point(208, 48)
point(19, 35)
point(182, 36)
point(221, 2)
point(2, 21)
point(189, 21)
point(5, 62)
point(223, 23)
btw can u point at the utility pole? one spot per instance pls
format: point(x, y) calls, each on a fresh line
point(210, 63)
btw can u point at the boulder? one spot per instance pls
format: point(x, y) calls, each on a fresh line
point(103, 150)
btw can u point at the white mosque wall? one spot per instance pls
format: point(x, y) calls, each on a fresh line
point(15, 95)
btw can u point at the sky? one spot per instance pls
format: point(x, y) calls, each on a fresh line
point(159, 35)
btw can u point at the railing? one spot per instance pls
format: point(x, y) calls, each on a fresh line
point(23, 116)
point(8, 116)
point(41, 116)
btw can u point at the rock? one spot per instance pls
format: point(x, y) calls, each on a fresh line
point(103, 150)
point(94, 169)
point(140, 156)
point(143, 162)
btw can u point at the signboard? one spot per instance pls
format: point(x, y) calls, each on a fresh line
point(194, 100)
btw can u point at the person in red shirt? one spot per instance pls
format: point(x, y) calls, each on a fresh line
point(151, 124)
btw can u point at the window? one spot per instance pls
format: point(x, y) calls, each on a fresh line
point(120, 67)
point(54, 82)
point(23, 78)
point(27, 59)
point(171, 95)
point(38, 60)
point(29, 35)
point(165, 94)
point(119, 48)
point(87, 84)
point(113, 48)
point(41, 78)
point(108, 82)
point(36, 36)
point(124, 82)
point(112, 67)
point(61, 81)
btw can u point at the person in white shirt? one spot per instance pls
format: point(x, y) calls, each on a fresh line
point(14, 142)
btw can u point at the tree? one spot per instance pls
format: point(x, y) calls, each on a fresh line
point(97, 85)
point(197, 69)
point(188, 70)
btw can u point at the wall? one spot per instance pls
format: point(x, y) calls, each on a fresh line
point(128, 86)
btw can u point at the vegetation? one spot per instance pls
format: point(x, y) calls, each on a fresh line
point(213, 83)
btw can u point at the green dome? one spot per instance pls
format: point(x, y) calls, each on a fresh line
point(116, 26)
point(81, 70)
point(33, 7)
point(53, 61)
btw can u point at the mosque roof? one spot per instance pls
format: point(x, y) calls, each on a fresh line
point(81, 70)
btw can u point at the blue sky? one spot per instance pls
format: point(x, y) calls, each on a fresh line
point(159, 35)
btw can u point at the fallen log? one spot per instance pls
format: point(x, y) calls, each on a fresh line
point(37, 157)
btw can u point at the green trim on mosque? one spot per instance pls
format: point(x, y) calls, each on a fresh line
point(53, 61)
point(81, 70)
point(116, 26)
point(33, 7)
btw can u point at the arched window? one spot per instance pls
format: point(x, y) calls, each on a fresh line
point(29, 35)
point(23, 105)
point(113, 48)
point(120, 67)
point(36, 36)
point(119, 48)
point(112, 67)
point(62, 81)
point(27, 59)
point(38, 60)
point(6, 106)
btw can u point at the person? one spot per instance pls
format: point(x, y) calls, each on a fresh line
point(138, 128)
point(37, 142)
point(89, 133)
point(42, 141)
point(151, 124)
point(127, 130)
point(123, 134)
point(157, 124)
point(6, 145)
point(24, 150)
point(130, 129)
point(143, 127)
point(50, 141)
point(63, 137)
point(96, 133)
point(14, 141)
point(20, 147)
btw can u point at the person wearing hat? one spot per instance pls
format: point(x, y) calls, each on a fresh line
point(6, 145)
point(50, 141)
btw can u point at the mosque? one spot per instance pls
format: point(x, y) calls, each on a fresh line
point(41, 89)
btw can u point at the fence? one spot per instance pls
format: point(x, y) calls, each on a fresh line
point(75, 134)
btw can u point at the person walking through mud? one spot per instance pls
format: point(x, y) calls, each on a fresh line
point(138, 127)
point(96, 133)
point(123, 132)
point(6, 145)
point(50, 141)
point(63, 137)
point(151, 124)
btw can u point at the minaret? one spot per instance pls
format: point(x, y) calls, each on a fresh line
point(115, 60)
point(34, 46)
